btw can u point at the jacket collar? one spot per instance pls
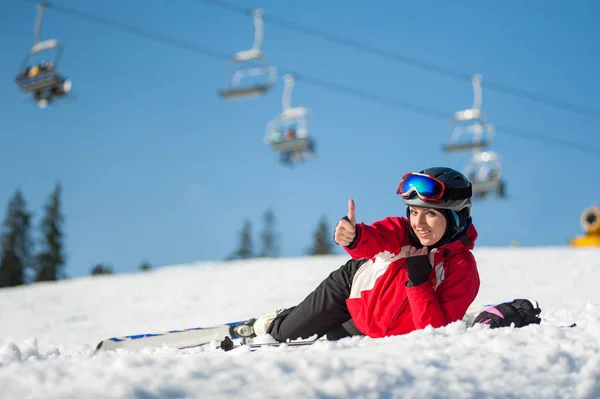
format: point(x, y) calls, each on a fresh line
point(464, 242)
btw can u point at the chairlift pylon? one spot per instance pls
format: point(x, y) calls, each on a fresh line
point(250, 63)
point(288, 133)
point(470, 122)
point(42, 79)
point(484, 170)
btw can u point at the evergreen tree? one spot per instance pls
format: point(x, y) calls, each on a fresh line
point(322, 239)
point(101, 268)
point(269, 236)
point(245, 250)
point(145, 266)
point(16, 243)
point(50, 261)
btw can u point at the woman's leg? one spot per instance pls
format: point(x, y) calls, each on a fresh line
point(322, 311)
point(347, 329)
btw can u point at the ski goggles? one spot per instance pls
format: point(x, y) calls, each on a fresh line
point(426, 187)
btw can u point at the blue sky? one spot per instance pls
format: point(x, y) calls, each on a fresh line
point(155, 166)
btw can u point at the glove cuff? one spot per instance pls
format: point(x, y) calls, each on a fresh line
point(418, 268)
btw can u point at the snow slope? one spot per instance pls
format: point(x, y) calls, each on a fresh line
point(48, 332)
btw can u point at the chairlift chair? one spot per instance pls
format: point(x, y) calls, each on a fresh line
point(250, 63)
point(42, 79)
point(470, 123)
point(484, 170)
point(299, 146)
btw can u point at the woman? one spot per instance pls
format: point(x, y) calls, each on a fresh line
point(405, 273)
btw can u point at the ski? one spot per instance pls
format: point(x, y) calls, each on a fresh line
point(227, 344)
point(180, 339)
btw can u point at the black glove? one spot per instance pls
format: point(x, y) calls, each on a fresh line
point(418, 268)
point(520, 311)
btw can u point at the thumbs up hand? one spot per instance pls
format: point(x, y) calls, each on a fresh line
point(345, 231)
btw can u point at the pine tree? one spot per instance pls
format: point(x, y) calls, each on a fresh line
point(322, 239)
point(16, 243)
point(245, 250)
point(101, 268)
point(269, 236)
point(145, 266)
point(50, 261)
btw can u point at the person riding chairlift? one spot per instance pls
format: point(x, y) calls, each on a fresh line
point(290, 134)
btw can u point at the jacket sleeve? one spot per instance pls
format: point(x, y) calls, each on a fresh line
point(387, 234)
point(452, 298)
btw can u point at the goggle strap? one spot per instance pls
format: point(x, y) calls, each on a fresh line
point(461, 193)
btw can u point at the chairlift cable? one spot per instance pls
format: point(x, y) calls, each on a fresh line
point(325, 84)
point(436, 113)
point(152, 35)
point(534, 136)
point(408, 60)
point(379, 98)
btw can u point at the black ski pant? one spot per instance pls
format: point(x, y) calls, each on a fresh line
point(323, 311)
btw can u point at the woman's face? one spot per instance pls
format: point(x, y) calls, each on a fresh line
point(428, 224)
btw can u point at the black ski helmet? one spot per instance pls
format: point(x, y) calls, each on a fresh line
point(455, 204)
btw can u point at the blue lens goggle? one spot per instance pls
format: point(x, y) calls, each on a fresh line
point(426, 187)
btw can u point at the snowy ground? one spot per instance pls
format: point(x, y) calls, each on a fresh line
point(48, 333)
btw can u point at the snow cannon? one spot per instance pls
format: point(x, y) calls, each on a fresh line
point(590, 222)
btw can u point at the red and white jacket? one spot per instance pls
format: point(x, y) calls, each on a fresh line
point(381, 305)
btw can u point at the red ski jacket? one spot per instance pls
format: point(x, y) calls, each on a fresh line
point(381, 305)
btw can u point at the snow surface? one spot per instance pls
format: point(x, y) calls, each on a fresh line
point(48, 332)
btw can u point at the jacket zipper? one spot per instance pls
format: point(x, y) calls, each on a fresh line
point(395, 314)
